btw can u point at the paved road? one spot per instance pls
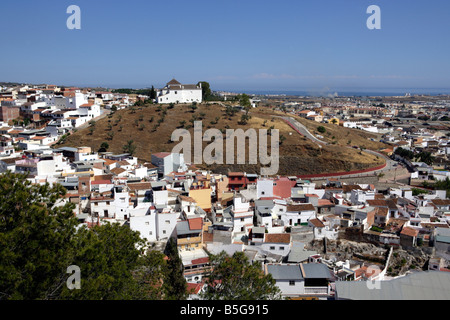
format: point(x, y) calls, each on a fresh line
point(390, 164)
point(302, 129)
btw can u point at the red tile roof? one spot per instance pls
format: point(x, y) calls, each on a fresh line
point(200, 260)
point(195, 223)
point(118, 170)
point(441, 202)
point(194, 288)
point(101, 182)
point(139, 185)
point(317, 223)
point(282, 187)
point(324, 202)
point(277, 238)
point(300, 207)
point(311, 195)
point(407, 231)
point(161, 154)
point(235, 174)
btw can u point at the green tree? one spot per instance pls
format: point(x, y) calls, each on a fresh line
point(408, 154)
point(36, 238)
point(152, 93)
point(104, 147)
point(235, 278)
point(417, 191)
point(321, 129)
point(175, 286)
point(244, 119)
point(106, 256)
point(39, 240)
point(149, 276)
point(130, 147)
point(440, 185)
point(282, 139)
point(206, 90)
point(426, 157)
point(244, 101)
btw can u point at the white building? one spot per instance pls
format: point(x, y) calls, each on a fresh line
point(122, 205)
point(168, 162)
point(85, 154)
point(264, 188)
point(70, 100)
point(361, 196)
point(242, 216)
point(89, 110)
point(306, 279)
point(298, 214)
point(175, 92)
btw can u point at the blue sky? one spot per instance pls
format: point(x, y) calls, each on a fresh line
point(234, 45)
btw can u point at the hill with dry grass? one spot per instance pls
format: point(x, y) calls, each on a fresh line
point(150, 128)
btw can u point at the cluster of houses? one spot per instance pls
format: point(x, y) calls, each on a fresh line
point(390, 118)
point(269, 219)
point(33, 117)
point(36, 116)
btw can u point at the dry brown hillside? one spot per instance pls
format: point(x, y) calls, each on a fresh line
point(298, 155)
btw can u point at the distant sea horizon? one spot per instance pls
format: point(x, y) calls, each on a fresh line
point(347, 92)
point(310, 92)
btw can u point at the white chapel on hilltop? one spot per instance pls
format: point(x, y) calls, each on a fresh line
point(175, 92)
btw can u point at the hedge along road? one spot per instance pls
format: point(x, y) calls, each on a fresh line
point(301, 129)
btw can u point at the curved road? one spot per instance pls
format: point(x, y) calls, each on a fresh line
point(390, 164)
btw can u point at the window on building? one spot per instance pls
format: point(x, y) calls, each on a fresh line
point(292, 282)
point(272, 248)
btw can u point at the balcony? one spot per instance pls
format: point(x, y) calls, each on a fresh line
point(317, 290)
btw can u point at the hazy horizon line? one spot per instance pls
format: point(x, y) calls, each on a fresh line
point(260, 90)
